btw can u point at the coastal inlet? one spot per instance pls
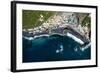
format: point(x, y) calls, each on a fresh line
point(53, 48)
point(55, 36)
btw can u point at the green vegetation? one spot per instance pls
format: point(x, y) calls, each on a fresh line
point(87, 21)
point(31, 19)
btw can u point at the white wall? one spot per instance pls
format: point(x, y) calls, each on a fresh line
point(5, 36)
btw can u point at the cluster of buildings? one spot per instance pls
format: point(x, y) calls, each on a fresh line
point(60, 20)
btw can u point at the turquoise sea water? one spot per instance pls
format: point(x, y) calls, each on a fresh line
point(53, 48)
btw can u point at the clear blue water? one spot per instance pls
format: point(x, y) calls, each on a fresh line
point(53, 48)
